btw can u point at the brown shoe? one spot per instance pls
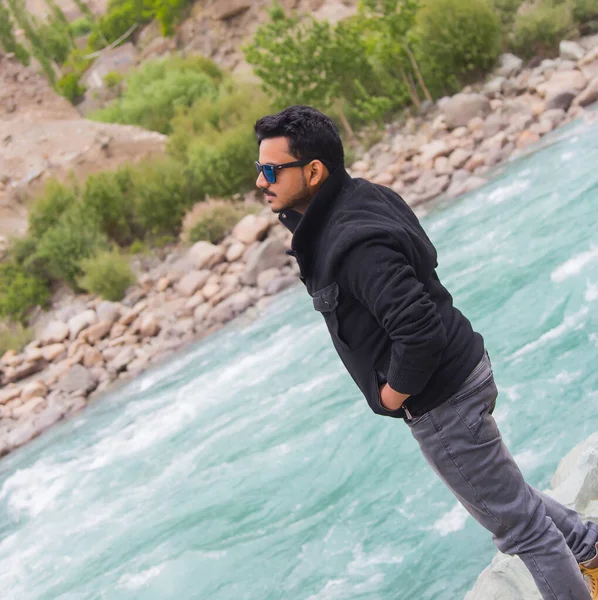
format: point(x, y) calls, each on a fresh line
point(589, 570)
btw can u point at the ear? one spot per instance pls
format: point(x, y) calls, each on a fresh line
point(317, 173)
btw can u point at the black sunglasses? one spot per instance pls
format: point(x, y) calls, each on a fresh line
point(269, 171)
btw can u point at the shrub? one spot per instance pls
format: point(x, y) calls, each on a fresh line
point(70, 87)
point(81, 26)
point(154, 92)
point(507, 11)
point(137, 247)
point(113, 79)
point(539, 31)
point(75, 236)
point(107, 274)
point(20, 291)
point(457, 42)
point(13, 336)
point(55, 200)
point(104, 198)
point(216, 222)
point(585, 14)
point(56, 40)
point(163, 191)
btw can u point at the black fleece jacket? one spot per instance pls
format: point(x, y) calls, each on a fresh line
point(370, 269)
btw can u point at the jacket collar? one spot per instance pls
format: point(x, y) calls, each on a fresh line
point(304, 226)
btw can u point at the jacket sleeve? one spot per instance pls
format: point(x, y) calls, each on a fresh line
point(378, 275)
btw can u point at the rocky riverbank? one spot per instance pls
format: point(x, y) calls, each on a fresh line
point(85, 344)
point(575, 485)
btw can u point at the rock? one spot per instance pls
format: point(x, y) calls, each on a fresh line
point(163, 283)
point(199, 314)
point(560, 100)
point(33, 389)
point(280, 283)
point(78, 379)
point(265, 277)
point(475, 124)
point(527, 138)
point(556, 116)
point(571, 50)
point(235, 251)
point(520, 122)
point(461, 108)
point(227, 9)
point(434, 149)
point(459, 157)
point(542, 127)
point(33, 405)
point(361, 166)
point(54, 332)
point(251, 228)
point(149, 326)
point(81, 321)
point(589, 95)
point(434, 187)
point(270, 254)
point(47, 417)
point(108, 311)
point(122, 359)
point(21, 435)
point(98, 331)
point(131, 315)
point(493, 124)
point(230, 308)
point(567, 81)
point(192, 282)
point(589, 64)
point(510, 65)
point(53, 351)
point(24, 370)
point(205, 255)
point(118, 329)
point(384, 178)
point(494, 86)
point(92, 357)
point(211, 289)
point(9, 393)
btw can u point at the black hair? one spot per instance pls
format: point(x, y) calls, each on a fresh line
point(312, 135)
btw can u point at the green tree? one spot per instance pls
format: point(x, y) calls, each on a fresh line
point(311, 62)
point(7, 38)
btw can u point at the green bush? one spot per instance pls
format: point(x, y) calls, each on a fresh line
point(539, 31)
point(120, 16)
point(53, 202)
point(507, 11)
point(20, 291)
point(163, 191)
point(457, 42)
point(75, 236)
point(107, 274)
point(104, 198)
point(56, 40)
point(14, 336)
point(70, 87)
point(81, 26)
point(159, 88)
point(216, 222)
point(113, 79)
point(585, 14)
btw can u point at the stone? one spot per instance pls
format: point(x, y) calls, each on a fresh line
point(459, 157)
point(384, 178)
point(434, 149)
point(509, 65)
point(231, 307)
point(235, 251)
point(265, 277)
point(81, 321)
point(361, 166)
point(9, 393)
point(192, 282)
point(251, 228)
point(442, 166)
point(280, 283)
point(494, 87)
point(520, 122)
point(53, 351)
point(163, 283)
point(589, 95)
point(32, 389)
point(118, 330)
point(199, 314)
point(210, 290)
point(227, 9)
point(493, 124)
point(205, 255)
point(556, 116)
point(92, 357)
point(589, 64)
point(561, 100)
point(270, 254)
point(149, 326)
point(567, 81)
point(122, 359)
point(527, 138)
point(78, 379)
point(108, 311)
point(98, 331)
point(571, 50)
point(21, 435)
point(33, 405)
point(47, 417)
point(54, 332)
point(542, 127)
point(475, 124)
point(461, 108)
point(434, 187)
point(24, 370)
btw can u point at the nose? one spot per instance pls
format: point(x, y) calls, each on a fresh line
point(261, 182)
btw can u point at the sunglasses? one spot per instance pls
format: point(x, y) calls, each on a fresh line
point(269, 171)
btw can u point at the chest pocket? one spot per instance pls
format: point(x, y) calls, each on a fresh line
point(326, 302)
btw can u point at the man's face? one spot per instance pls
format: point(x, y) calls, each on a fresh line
point(291, 189)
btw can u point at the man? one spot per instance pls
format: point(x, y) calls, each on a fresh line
point(370, 269)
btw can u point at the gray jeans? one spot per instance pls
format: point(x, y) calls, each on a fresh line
point(461, 442)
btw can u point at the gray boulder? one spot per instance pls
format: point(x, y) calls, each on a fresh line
point(510, 65)
point(461, 108)
point(268, 255)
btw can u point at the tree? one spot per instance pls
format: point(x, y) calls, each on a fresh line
point(310, 62)
point(7, 39)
